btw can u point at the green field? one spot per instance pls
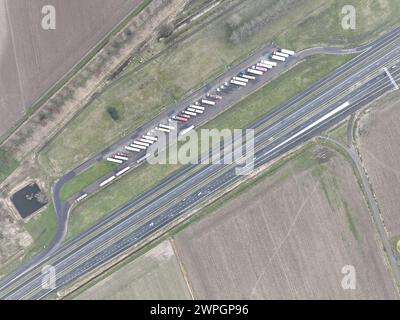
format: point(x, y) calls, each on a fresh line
point(87, 177)
point(7, 164)
point(239, 116)
point(109, 198)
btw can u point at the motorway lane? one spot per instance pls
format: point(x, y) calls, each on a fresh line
point(189, 201)
point(378, 41)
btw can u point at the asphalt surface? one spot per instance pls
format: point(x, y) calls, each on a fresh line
point(78, 258)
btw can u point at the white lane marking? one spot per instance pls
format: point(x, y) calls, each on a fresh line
point(391, 78)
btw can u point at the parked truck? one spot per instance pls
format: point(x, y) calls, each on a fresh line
point(150, 137)
point(261, 69)
point(184, 131)
point(289, 52)
point(239, 83)
point(194, 110)
point(138, 146)
point(248, 77)
point(240, 79)
point(189, 113)
point(141, 143)
point(114, 160)
point(119, 173)
point(163, 129)
point(121, 158)
point(107, 181)
point(132, 149)
point(275, 57)
point(271, 63)
point(179, 118)
point(260, 64)
point(281, 54)
point(256, 72)
point(209, 102)
point(166, 126)
point(197, 107)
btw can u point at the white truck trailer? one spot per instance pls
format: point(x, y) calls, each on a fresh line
point(146, 141)
point(81, 197)
point(260, 64)
point(209, 102)
point(240, 79)
point(248, 77)
point(143, 158)
point(107, 181)
point(166, 126)
point(289, 52)
point(282, 54)
point(150, 138)
point(138, 146)
point(194, 110)
point(279, 58)
point(197, 107)
point(184, 131)
point(123, 158)
point(144, 144)
point(256, 72)
point(163, 129)
point(239, 83)
point(271, 63)
point(189, 113)
point(122, 171)
point(132, 149)
point(114, 160)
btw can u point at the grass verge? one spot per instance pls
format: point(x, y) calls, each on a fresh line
point(7, 164)
point(87, 177)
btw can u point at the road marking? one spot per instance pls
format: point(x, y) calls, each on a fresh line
point(391, 78)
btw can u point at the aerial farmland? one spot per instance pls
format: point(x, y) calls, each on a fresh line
point(33, 59)
point(377, 137)
point(199, 150)
point(289, 237)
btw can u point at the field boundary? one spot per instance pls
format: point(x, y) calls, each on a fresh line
point(74, 69)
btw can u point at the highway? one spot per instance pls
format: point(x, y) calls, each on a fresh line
point(289, 125)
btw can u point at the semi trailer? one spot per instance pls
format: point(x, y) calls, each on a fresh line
point(137, 146)
point(238, 83)
point(121, 158)
point(256, 72)
point(132, 149)
point(209, 102)
point(107, 181)
point(184, 131)
point(275, 57)
point(271, 63)
point(122, 171)
point(114, 160)
point(289, 52)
